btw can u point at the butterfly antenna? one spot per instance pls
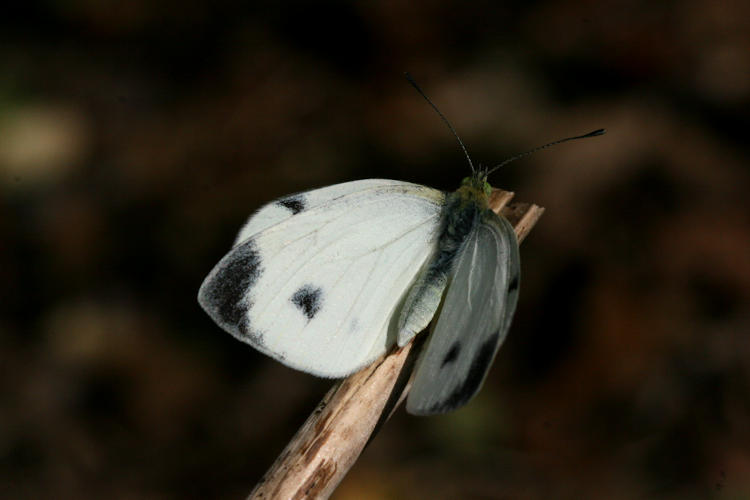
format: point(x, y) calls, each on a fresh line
point(460, 143)
point(600, 131)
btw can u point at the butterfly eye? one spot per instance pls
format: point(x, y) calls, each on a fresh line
point(487, 188)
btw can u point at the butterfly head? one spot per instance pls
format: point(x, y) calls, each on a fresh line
point(476, 186)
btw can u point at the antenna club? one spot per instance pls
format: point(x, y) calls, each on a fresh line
point(595, 133)
point(481, 173)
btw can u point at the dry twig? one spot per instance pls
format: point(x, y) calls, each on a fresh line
point(330, 441)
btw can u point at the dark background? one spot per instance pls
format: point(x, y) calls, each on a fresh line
point(135, 139)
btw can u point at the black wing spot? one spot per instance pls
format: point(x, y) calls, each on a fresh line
point(469, 387)
point(513, 286)
point(308, 299)
point(452, 354)
point(223, 297)
point(294, 204)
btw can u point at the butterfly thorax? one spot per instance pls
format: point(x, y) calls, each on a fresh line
point(461, 215)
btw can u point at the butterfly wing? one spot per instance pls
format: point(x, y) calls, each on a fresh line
point(474, 319)
point(314, 279)
point(288, 206)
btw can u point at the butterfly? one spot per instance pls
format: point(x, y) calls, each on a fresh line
point(327, 281)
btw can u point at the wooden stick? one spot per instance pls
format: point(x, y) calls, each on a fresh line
point(330, 441)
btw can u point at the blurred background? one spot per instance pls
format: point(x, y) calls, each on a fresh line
point(136, 138)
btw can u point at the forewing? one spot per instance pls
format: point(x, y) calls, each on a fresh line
point(288, 206)
point(473, 322)
point(316, 289)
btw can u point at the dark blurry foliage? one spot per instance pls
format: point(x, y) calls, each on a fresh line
point(135, 138)
point(550, 337)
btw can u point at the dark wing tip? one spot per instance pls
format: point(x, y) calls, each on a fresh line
point(222, 294)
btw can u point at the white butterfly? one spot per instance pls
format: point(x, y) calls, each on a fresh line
point(327, 281)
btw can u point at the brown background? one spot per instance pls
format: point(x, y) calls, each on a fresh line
point(135, 139)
